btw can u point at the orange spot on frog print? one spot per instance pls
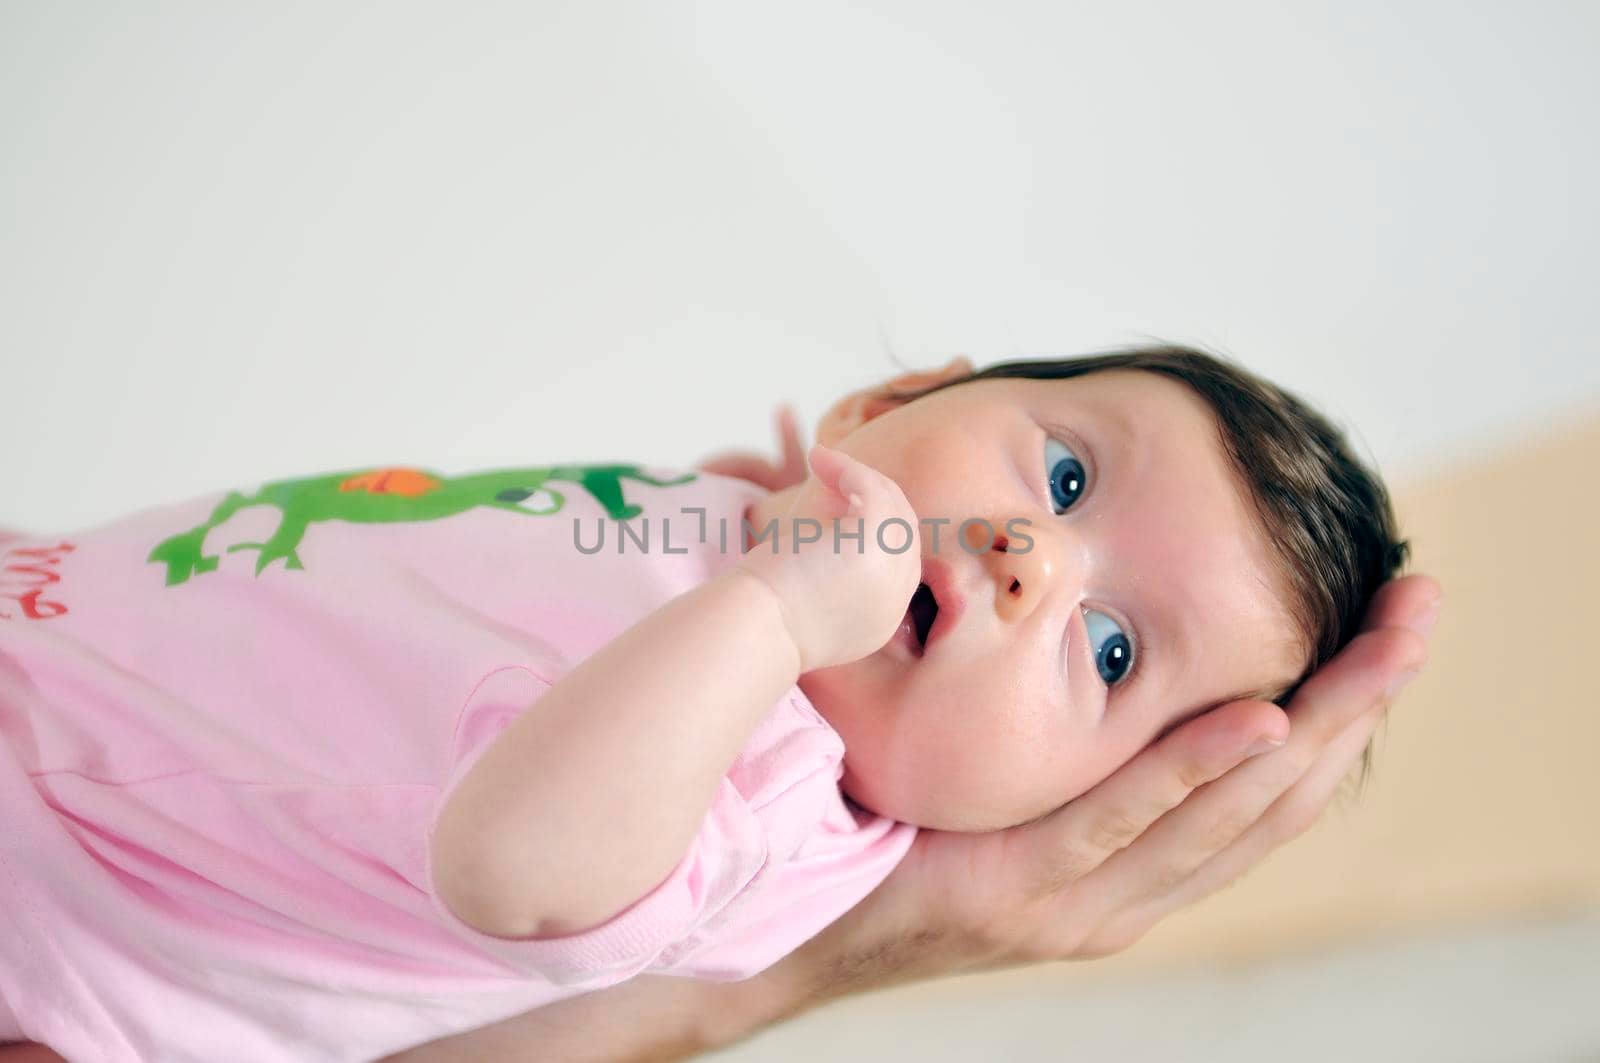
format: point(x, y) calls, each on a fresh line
point(408, 482)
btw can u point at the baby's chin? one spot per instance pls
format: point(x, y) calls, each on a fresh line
point(939, 809)
point(927, 810)
point(858, 795)
point(873, 802)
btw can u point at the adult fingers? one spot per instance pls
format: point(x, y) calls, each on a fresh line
point(1163, 860)
point(1339, 694)
point(1332, 705)
point(1406, 601)
point(1415, 605)
point(1058, 850)
point(1286, 819)
point(1118, 900)
point(1411, 602)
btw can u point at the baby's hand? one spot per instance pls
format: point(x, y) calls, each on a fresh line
point(842, 598)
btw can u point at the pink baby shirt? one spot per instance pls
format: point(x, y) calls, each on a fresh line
point(227, 727)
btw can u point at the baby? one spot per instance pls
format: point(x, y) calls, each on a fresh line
point(361, 760)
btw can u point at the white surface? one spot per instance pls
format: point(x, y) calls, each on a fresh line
point(248, 241)
point(1505, 993)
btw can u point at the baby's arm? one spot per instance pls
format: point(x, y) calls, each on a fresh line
point(586, 803)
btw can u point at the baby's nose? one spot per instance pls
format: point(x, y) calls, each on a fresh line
point(1032, 572)
point(1015, 587)
point(997, 543)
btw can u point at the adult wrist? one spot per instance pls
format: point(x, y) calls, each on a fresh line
point(735, 1011)
point(882, 942)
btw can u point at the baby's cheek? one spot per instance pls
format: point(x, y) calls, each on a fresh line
point(1089, 757)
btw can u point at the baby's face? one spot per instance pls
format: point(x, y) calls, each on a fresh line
point(1146, 596)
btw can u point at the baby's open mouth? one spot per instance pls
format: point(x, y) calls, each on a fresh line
point(924, 608)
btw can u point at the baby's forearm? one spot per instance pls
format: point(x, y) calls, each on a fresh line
point(589, 800)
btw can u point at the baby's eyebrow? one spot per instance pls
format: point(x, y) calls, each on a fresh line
point(1114, 418)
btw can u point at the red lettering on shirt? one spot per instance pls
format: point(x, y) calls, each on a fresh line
point(25, 572)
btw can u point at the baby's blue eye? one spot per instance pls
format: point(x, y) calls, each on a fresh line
point(1113, 658)
point(1065, 474)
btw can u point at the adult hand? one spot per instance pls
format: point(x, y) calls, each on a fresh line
point(789, 469)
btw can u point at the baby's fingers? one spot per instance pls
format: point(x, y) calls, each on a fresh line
point(751, 467)
point(793, 462)
point(832, 469)
point(854, 482)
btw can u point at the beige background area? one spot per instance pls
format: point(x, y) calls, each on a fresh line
point(1455, 898)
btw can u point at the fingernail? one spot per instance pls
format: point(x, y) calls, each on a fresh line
point(1400, 681)
point(1423, 624)
point(1263, 745)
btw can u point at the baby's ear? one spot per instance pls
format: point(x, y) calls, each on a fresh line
point(859, 407)
point(918, 379)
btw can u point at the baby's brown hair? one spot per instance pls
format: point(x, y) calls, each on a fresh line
point(1327, 515)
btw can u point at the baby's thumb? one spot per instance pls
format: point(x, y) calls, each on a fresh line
point(837, 472)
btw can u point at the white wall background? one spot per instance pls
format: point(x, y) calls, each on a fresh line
point(250, 241)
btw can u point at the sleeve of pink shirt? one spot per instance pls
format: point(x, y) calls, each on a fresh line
point(726, 854)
